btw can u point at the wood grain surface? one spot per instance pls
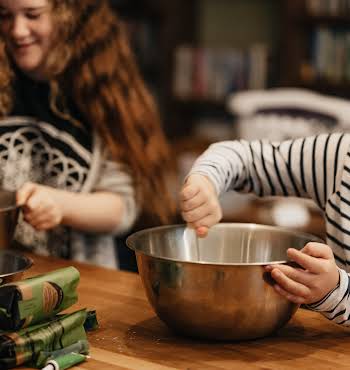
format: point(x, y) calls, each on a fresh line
point(132, 337)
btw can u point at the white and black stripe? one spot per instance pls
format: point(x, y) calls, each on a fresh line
point(315, 167)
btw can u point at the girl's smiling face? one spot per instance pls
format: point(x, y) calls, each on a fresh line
point(28, 31)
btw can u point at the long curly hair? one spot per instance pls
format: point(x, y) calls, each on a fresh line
point(92, 64)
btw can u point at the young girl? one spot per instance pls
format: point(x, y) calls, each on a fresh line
point(80, 138)
point(315, 167)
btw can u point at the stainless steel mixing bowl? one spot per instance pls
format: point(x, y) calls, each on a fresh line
point(216, 287)
point(12, 266)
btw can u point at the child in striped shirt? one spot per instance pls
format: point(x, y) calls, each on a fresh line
point(315, 167)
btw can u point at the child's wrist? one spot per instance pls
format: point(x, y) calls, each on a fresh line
point(66, 202)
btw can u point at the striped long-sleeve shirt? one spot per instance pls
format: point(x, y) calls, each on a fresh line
point(314, 167)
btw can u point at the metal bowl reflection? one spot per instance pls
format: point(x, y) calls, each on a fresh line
point(216, 287)
point(12, 266)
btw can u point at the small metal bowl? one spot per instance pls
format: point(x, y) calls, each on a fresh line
point(12, 266)
point(216, 287)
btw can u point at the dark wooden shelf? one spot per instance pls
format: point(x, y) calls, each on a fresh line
point(199, 103)
point(328, 87)
point(137, 9)
point(299, 46)
point(330, 20)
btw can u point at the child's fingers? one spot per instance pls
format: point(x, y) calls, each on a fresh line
point(45, 220)
point(297, 275)
point(202, 231)
point(203, 224)
point(207, 221)
point(291, 297)
point(318, 250)
point(45, 225)
point(188, 192)
point(289, 285)
point(24, 193)
point(310, 263)
point(196, 214)
point(37, 217)
point(36, 207)
point(35, 203)
point(196, 201)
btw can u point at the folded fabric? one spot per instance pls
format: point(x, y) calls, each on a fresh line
point(34, 300)
point(29, 344)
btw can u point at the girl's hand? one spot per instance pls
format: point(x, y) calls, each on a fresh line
point(40, 206)
point(199, 204)
point(318, 276)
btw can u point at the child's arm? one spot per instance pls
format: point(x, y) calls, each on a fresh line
point(306, 167)
point(110, 206)
point(45, 208)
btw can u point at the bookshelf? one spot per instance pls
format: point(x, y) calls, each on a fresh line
point(208, 28)
point(235, 47)
point(316, 53)
point(237, 28)
point(155, 29)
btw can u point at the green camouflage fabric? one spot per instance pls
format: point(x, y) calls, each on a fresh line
point(29, 344)
point(37, 299)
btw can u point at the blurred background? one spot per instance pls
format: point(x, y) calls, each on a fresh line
point(244, 69)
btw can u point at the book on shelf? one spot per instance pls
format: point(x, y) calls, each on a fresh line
point(258, 69)
point(213, 73)
point(183, 72)
point(330, 52)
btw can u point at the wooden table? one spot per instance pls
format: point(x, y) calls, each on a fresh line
point(132, 337)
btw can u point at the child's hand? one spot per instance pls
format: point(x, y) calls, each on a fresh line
point(199, 204)
point(312, 284)
point(40, 206)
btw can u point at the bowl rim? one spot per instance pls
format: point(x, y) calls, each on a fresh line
point(130, 238)
point(29, 261)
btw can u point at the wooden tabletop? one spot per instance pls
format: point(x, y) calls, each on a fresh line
point(132, 337)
